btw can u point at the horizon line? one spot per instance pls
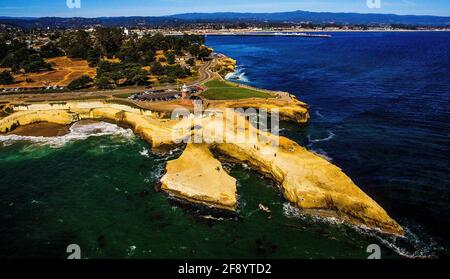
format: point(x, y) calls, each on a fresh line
point(222, 12)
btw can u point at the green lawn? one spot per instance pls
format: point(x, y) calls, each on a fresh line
point(220, 90)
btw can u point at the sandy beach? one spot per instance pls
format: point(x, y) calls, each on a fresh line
point(41, 130)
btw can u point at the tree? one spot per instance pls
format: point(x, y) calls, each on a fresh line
point(93, 56)
point(6, 78)
point(204, 53)
point(139, 79)
point(80, 83)
point(3, 49)
point(103, 82)
point(129, 52)
point(157, 69)
point(17, 57)
point(167, 79)
point(50, 50)
point(194, 50)
point(170, 56)
point(35, 64)
point(110, 40)
point(148, 58)
point(191, 62)
point(177, 71)
point(76, 44)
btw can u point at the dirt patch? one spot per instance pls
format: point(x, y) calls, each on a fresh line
point(65, 70)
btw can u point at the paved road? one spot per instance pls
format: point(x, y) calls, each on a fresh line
point(204, 72)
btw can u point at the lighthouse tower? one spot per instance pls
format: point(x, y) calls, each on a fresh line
point(184, 91)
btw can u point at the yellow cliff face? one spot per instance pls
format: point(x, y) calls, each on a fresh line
point(312, 183)
point(9, 123)
point(307, 180)
point(199, 177)
point(292, 110)
point(226, 65)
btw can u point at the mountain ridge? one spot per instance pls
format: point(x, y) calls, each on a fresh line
point(294, 17)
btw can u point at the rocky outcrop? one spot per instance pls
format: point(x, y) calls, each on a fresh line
point(198, 177)
point(17, 119)
point(288, 109)
point(307, 180)
point(312, 183)
point(225, 65)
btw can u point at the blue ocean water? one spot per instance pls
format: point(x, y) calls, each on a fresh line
point(380, 105)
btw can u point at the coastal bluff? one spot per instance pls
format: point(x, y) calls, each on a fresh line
point(198, 177)
point(312, 183)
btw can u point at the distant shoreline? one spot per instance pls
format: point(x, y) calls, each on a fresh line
point(243, 32)
point(249, 32)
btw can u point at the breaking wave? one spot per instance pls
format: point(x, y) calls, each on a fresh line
point(415, 244)
point(319, 114)
point(322, 153)
point(78, 131)
point(291, 211)
point(239, 75)
point(330, 136)
point(145, 152)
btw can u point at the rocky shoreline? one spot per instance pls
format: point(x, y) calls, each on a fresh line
point(305, 179)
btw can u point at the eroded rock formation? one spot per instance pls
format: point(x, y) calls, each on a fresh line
point(198, 177)
point(312, 183)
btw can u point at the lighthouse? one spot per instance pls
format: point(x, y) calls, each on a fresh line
point(184, 91)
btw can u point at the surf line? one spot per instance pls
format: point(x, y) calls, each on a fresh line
point(331, 135)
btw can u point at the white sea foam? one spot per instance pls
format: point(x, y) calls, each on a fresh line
point(291, 211)
point(78, 131)
point(422, 246)
point(319, 114)
point(330, 136)
point(321, 153)
point(145, 152)
point(411, 245)
point(238, 74)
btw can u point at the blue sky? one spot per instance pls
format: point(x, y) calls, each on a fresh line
point(95, 8)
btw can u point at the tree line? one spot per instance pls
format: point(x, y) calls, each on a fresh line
point(134, 53)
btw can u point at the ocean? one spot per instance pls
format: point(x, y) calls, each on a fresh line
point(379, 105)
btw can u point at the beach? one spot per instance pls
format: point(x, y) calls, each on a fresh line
point(41, 130)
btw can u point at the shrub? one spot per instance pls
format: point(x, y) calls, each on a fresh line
point(6, 78)
point(191, 62)
point(103, 82)
point(80, 83)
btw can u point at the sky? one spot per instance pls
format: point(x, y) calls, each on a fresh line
point(97, 8)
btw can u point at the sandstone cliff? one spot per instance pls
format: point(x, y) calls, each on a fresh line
point(309, 181)
point(200, 178)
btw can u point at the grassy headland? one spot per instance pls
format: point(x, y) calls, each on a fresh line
point(221, 90)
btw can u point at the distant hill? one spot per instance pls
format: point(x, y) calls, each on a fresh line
point(316, 17)
point(79, 22)
point(174, 20)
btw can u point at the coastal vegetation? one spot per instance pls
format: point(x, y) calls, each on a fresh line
point(6, 78)
point(80, 83)
point(222, 90)
point(114, 58)
point(64, 70)
point(18, 56)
